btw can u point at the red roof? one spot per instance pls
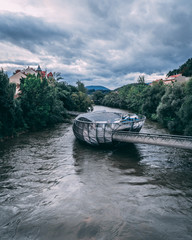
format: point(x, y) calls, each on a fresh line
point(174, 76)
point(43, 73)
point(50, 74)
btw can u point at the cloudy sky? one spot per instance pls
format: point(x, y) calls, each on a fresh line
point(100, 42)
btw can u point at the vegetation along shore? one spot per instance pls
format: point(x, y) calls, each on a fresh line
point(42, 102)
point(169, 104)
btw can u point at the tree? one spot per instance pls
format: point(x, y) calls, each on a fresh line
point(141, 80)
point(185, 69)
point(185, 111)
point(134, 98)
point(57, 76)
point(151, 99)
point(98, 97)
point(81, 87)
point(72, 99)
point(169, 107)
point(82, 103)
point(39, 102)
point(7, 105)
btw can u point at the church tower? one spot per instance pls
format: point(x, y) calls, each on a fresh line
point(39, 69)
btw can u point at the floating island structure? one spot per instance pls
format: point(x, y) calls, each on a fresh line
point(97, 128)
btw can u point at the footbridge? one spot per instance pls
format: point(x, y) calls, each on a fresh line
point(154, 139)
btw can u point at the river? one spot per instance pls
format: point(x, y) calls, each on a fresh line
point(54, 188)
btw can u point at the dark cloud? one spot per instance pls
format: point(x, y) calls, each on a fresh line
point(18, 62)
point(29, 32)
point(105, 40)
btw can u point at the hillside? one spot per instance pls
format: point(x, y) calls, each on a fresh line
point(185, 69)
point(97, 88)
point(91, 89)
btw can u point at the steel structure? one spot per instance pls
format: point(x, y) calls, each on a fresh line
point(102, 128)
point(97, 128)
point(154, 139)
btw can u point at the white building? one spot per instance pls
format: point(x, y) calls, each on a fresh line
point(16, 79)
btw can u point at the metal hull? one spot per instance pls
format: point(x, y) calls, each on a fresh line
point(101, 132)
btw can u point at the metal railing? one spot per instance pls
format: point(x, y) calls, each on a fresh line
point(154, 139)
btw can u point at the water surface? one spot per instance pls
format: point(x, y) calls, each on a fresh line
point(53, 187)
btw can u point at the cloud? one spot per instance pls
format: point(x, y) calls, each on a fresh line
point(110, 42)
point(29, 32)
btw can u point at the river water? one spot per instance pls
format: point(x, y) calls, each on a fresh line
point(52, 187)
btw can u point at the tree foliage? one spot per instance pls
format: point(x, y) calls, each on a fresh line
point(74, 98)
point(7, 105)
point(151, 99)
point(185, 69)
point(169, 107)
point(185, 112)
point(168, 104)
point(41, 103)
point(141, 80)
point(81, 87)
point(97, 97)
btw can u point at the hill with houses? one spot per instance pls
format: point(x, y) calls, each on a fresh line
point(181, 74)
point(185, 69)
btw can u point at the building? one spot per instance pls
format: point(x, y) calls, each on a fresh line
point(15, 78)
point(173, 78)
point(177, 78)
point(29, 70)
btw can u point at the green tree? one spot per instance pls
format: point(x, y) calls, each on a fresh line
point(82, 103)
point(57, 76)
point(134, 98)
point(7, 106)
point(112, 100)
point(81, 87)
point(141, 80)
point(185, 69)
point(98, 97)
point(169, 107)
point(151, 99)
point(73, 99)
point(185, 111)
point(39, 102)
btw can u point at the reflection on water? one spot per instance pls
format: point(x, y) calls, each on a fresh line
point(54, 187)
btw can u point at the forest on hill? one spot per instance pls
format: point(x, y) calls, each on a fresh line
point(185, 69)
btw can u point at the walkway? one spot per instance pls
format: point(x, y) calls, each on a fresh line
point(154, 139)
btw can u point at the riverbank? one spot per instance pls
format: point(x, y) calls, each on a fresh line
point(170, 105)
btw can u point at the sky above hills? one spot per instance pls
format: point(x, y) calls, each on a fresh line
point(99, 42)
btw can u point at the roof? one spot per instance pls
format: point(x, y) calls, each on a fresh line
point(29, 71)
point(173, 76)
point(43, 73)
point(99, 116)
point(39, 68)
point(50, 74)
point(16, 77)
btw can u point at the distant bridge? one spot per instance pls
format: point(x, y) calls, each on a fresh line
point(154, 139)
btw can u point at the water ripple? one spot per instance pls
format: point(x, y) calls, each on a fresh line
point(53, 187)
